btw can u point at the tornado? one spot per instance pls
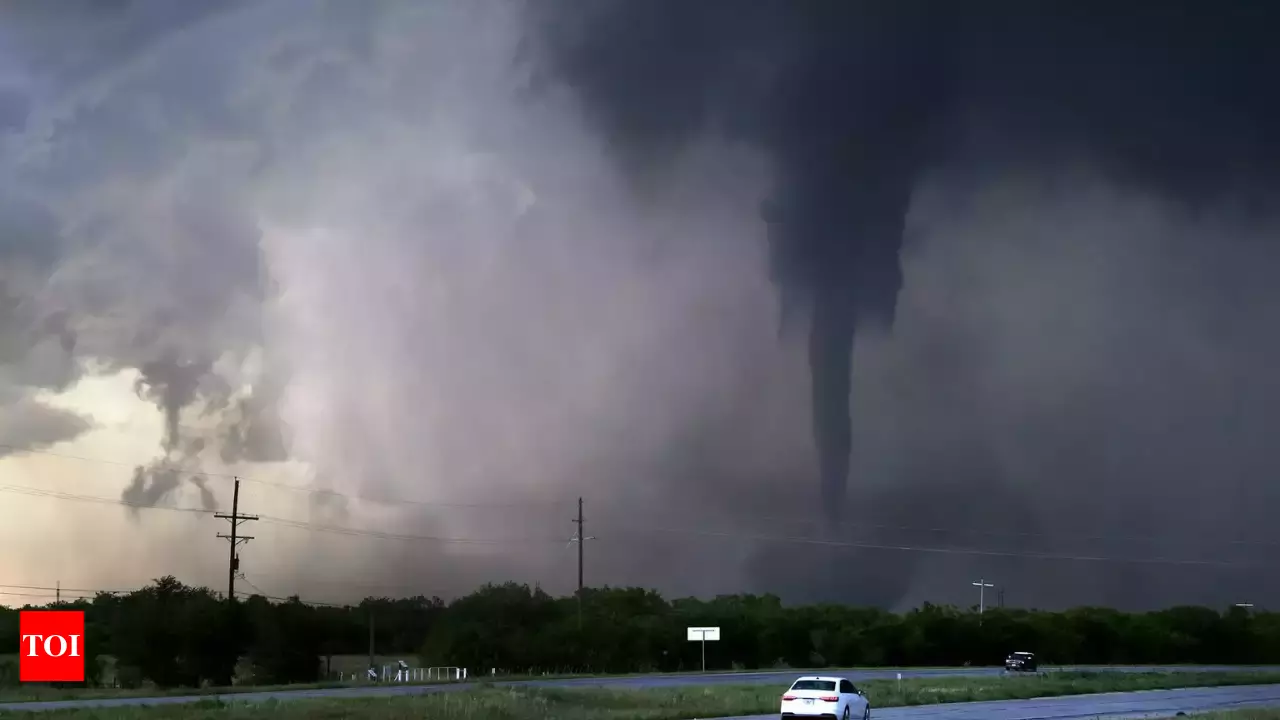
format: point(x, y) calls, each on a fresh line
point(841, 257)
point(841, 98)
point(847, 147)
point(857, 103)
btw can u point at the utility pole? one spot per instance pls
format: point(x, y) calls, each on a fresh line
point(58, 591)
point(233, 559)
point(1000, 598)
point(580, 521)
point(371, 653)
point(580, 537)
point(982, 586)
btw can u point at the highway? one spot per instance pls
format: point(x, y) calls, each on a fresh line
point(854, 674)
point(1108, 706)
point(631, 681)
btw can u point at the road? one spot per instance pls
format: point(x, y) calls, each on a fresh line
point(854, 674)
point(1108, 706)
point(632, 681)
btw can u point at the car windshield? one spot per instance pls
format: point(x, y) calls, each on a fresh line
point(814, 685)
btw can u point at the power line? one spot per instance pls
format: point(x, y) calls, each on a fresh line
point(16, 450)
point(56, 494)
point(255, 587)
point(338, 530)
point(272, 520)
point(798, 540)
point(55, 589)
point(846, 524)
point(276, 598)
point(46, 596)
point(761, 519)
point(940, 550)
point(92, 594)
point(756, 537)
point(413, 590)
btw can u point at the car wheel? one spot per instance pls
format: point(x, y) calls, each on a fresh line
point(866, 714)
point(845, 716)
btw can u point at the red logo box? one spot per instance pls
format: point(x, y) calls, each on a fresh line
point(51, 646)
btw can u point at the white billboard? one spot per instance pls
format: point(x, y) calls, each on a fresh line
point(704, 633)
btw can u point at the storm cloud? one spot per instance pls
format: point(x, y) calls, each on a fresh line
point(517, 253)
point(28, 424)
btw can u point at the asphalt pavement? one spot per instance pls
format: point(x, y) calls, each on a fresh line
point(1108, 706)
point(856, 675)
point(781, 677)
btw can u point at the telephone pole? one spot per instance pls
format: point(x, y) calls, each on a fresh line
point(982, 586)
point(580, 537)
point(580, 522)
point(371, 652)
point(233, 559)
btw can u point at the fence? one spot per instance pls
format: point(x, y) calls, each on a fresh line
point(393, 673)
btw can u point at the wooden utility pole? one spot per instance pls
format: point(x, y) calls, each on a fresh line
point(233, 559)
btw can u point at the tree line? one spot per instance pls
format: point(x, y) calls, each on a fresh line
point(173, 635)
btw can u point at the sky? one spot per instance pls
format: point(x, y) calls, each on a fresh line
point(423, 274)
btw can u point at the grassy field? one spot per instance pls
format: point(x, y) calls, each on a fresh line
point(344, 664)
point(1253, 714)
point(340, 669)
point(338, 666)
point(341, 666)
point(335, 672)
point(524, 703)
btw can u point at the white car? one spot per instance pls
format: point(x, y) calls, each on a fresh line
point(819, 696)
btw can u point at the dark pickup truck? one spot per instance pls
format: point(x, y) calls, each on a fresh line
point(1020, 662)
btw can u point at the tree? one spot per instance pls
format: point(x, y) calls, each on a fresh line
point(175, 635)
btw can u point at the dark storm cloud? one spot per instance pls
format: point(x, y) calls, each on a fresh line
point(14, 107)
point(150, 485)
point(162, 290)
point(348, 236)
point(858, 104)
point(154, 483)
point(28, 424)
point(172, 385)
point(69, 41)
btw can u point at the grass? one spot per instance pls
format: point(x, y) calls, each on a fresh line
point(346, 664)
point(349, 664)
point(339, 666)
point(1252, 714)
point(490, 702)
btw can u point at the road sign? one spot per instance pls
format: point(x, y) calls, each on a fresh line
point(704, 633)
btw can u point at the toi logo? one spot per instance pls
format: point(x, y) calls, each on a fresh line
point(52, 646)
